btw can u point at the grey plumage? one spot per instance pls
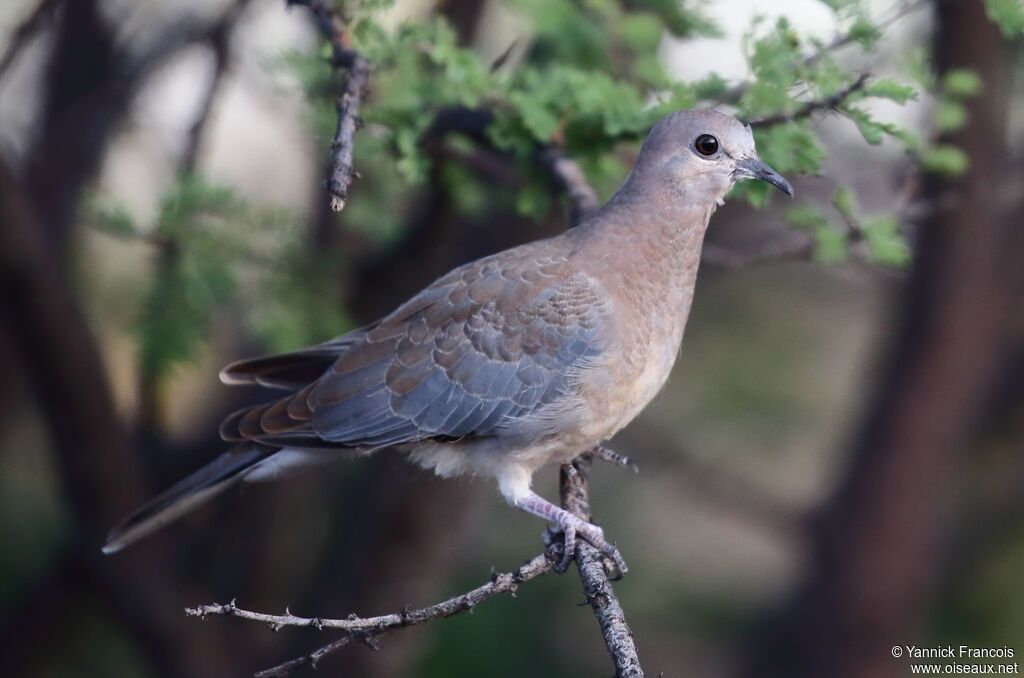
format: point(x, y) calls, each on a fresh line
point(525, 357)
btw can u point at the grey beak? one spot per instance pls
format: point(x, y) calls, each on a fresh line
point(755, 168)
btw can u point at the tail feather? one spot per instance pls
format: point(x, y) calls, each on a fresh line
point(204, 484)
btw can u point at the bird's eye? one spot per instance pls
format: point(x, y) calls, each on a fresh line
point(706, 145)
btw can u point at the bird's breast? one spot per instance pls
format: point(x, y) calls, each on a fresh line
point(636, 370)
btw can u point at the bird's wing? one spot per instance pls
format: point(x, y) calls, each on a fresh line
point(490, 343)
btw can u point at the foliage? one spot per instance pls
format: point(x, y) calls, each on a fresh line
point(210, 251)
point(1008, 15)
point(589, 79)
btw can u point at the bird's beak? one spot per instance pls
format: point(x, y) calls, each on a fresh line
point(755, 168)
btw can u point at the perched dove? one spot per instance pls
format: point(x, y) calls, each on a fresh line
point(524, 358)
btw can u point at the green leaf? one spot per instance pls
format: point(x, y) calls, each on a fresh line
point(949, 115)
point(648, 70)
point(945, 159)
point(773, 60)
point(681, 19)
point(961, 83)
point(534, 200)
point(865, 32)
point(806, 217)
point(911, 140)
point(541, 122)
point(873, 131)
point(792, 147)
point(885, 244)
point(845, 203)
point(758, 194)
point(1008, 15)
point(114, 220)
point(830, 244)
point(887, 88)
point(370, 38)
point(642, 31)
point(412, 163)
point(711, 87)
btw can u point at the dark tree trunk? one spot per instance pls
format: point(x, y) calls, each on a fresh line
point(83, 101)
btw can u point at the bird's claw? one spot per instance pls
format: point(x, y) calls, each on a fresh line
point(594, 535)
point(569, 550)
point(612, 457)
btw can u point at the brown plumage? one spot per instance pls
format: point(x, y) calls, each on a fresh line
point(523, 358)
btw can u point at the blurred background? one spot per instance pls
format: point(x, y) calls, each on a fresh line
point(834, 468)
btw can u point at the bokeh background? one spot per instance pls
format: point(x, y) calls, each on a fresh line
point(835, 466)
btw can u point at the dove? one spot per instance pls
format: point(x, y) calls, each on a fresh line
point(521, 359)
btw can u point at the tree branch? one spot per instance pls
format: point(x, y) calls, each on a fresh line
point(369, 628)
point(590, 563)
point(569, 178)
point(332, 27)
point(829, 103)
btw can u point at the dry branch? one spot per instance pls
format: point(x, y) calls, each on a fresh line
point(569, 178)
point(357, 78)
point(591, 564)
point(369, 628)
point(597, 586)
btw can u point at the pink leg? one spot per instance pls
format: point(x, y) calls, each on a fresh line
point(571, 526)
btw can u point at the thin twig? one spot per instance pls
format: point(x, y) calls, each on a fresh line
point(357, 68)
point(24, 32)
point(591, 564)
point(597, 586)
point(369, 628)
point(829, 103)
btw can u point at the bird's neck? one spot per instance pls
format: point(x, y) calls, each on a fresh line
point(656, 230)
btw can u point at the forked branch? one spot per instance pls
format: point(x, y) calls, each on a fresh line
point(591, 564)
point(368, 629)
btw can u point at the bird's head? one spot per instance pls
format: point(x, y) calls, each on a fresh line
point(702, 154)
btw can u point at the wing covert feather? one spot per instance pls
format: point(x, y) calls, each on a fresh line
point(488, 344)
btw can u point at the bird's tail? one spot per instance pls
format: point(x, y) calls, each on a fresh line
point(185, 495)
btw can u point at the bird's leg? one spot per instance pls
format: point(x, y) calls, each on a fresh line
point(571, 526)
point(612, 457)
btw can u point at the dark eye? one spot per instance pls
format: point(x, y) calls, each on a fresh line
point(706, 145)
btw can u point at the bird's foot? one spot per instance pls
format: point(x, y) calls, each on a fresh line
point(570, 530)
point(571, 527)
point(612, 457)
